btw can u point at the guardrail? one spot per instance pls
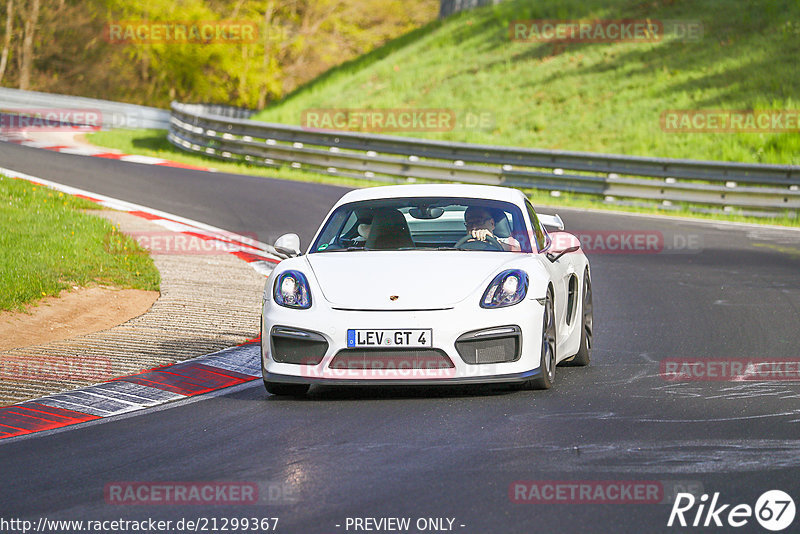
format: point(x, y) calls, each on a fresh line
point(742, 186)
point(449, 7)
point(113, 114)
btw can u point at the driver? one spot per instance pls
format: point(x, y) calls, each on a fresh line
point(480, 226)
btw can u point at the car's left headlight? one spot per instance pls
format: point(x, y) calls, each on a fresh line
point(507, 288)
point(291, 290)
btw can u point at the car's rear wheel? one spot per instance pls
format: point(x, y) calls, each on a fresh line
point(290, 390)
point(587, 326)
point(547, 363)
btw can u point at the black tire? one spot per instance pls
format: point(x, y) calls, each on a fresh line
point(548, 358)
point(584, 355)
point(290, 390)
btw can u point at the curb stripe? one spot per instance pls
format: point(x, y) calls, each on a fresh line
point(189, 379)
point(31, 417)
point(142, 214)
point(99, 152)
point(256, 339)
point(218, 370)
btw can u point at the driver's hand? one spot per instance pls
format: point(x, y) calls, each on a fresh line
point(480, 234)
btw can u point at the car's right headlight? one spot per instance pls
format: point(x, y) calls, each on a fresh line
point(507, 288)
point(291, 290)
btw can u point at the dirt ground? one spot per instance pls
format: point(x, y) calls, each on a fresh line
point(74, 313)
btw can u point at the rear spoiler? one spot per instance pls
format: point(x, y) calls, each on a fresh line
point(553, 221)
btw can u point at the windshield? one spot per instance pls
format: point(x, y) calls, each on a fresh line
point(424, 224)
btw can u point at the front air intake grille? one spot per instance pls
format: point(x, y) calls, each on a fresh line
point(492, 345)
point(302, 347)
point(391, 359)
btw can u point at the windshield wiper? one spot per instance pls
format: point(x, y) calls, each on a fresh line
point(348, 249)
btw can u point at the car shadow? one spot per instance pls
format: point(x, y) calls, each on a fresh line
point(396, 392)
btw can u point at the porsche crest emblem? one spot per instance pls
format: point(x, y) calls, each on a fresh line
point(394, 297)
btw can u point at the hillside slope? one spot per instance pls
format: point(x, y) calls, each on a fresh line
point(600, 97)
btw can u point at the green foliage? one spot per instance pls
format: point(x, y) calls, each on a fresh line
point(295, 41)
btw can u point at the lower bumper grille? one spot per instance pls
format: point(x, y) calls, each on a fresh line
point(491, 345)
point(391, 359)
point(302, 347)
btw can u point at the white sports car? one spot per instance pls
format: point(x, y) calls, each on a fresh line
point(427, 284)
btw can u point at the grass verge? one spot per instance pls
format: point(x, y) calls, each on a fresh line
point(50, 244)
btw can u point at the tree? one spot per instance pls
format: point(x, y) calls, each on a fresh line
point(60, 46)
point(7, 39)
point(26, 65)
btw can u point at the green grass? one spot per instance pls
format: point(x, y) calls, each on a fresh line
point(154, 143)
point(595, 97)
point(49, 244)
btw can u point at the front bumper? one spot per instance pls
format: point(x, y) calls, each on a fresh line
point(515, 378)
point(447, 327)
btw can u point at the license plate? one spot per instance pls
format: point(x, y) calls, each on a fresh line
point(411, 337)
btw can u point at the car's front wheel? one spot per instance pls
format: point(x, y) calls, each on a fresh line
point(547, 362)
point(290, 390)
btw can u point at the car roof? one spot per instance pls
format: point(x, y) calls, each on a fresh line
point(486, 192)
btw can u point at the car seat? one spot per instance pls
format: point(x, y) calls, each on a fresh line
point(389, 231)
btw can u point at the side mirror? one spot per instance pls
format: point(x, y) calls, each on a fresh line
point(288, 245)
point(562, 243)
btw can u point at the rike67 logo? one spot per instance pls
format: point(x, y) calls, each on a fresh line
point(774, 510)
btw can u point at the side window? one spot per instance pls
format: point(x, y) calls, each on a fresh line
point(331, 230)
point(538, 232)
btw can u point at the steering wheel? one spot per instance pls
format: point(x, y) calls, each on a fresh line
point(470, 243)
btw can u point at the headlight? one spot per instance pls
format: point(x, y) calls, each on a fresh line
point(291, 290)
point(507, 288)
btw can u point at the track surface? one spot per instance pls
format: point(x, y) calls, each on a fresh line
point(415, 452)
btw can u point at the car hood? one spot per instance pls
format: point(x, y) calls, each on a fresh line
point(419, 280)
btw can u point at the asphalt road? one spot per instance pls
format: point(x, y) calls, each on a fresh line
point(455, 452)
